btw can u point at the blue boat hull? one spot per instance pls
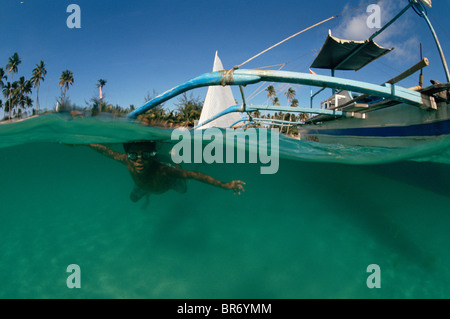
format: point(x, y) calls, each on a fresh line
point(397, 126)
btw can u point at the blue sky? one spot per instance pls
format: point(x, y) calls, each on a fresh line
point(140, 46)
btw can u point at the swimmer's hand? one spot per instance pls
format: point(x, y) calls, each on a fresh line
point(236, 186)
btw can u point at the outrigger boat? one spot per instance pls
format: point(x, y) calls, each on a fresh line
point(357, 113)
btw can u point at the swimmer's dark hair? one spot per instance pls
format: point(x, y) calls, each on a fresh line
point(145, 145)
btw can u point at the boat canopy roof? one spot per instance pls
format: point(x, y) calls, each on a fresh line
point(355, 54)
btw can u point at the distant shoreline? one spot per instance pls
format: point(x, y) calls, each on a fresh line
point(157, 123)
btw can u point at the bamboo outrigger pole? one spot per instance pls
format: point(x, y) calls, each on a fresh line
point(423, 14)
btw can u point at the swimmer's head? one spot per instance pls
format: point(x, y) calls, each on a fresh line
point(145, 146)
point(140, 155)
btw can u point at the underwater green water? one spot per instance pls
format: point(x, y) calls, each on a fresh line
point(308, 231)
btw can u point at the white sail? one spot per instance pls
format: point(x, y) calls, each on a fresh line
point(218, 98)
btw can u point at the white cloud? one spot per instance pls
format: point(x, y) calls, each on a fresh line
point(403, 50)
point(353, 27)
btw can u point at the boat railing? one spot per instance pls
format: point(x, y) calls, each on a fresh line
point(337, 99)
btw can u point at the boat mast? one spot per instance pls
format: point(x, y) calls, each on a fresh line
point(421, 12)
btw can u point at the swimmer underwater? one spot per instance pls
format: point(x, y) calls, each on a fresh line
point(154, 177)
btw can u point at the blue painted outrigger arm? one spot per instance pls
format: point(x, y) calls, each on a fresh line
point(252, 108)
point(244, 77)
point(208, 79)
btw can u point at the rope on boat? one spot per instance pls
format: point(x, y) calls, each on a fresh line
point(304, 30)
point(288, 38)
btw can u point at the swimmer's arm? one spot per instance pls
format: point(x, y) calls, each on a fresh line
point(109, 152)
point(236, 186)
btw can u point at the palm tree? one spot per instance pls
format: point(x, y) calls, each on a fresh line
point(101, 83)
point(7, 90)
point(294, 103)
point(65, 80)
point(12, 67)
point(2, 76)
point(276, 101)
point(271, 92)
point(38, 75)
point(6, 106)
point(290, 94)
point(20, 91)
point(25, 101)
point(10, 93)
